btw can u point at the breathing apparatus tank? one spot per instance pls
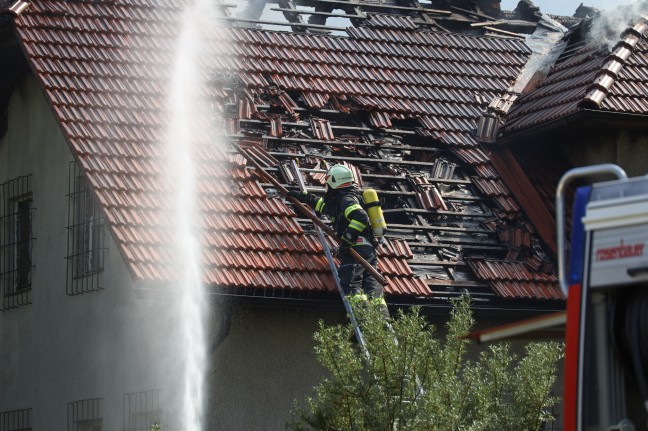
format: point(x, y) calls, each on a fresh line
point(372, 206)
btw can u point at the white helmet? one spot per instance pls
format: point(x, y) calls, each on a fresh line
point(339, 176)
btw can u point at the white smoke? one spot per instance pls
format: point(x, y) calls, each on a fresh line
point(609, 25)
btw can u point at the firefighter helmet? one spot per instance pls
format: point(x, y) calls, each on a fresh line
point(339, 176)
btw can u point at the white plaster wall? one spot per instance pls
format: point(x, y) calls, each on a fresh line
point(265, 364)
point(60, 348)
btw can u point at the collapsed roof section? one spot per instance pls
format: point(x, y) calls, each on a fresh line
point(475, 17)
point(395, 99)
point(400, 104)
point(333, 16)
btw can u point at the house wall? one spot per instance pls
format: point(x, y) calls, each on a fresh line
point(63, 348)
point(626, 148)
point(264, 365)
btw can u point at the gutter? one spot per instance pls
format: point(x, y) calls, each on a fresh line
point(545, 326)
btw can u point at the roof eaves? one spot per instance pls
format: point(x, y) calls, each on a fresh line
point(578, 118)
point(552, 325)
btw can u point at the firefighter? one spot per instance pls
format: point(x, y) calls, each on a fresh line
point(342, 204)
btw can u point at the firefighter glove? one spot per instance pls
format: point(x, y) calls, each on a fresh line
point(299, 195)
point(349, 238)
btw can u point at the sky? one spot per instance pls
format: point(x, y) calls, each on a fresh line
point(567, 7)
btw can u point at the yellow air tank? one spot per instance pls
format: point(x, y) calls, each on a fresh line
point(372, 204)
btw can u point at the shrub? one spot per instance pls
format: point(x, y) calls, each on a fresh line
point(411, 379)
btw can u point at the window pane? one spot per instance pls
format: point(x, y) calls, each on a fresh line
point(85, 237)
point(23, 245)
point(16, 242)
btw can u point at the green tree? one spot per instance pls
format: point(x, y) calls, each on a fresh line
point(413, 379)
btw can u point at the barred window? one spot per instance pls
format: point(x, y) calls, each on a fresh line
point(16, 242)
point(142, 410)
point(85, 415)
point(86, 237)
point(16, 420)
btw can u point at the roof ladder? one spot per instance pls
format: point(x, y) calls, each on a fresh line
point(345, 301)
point(331, 262)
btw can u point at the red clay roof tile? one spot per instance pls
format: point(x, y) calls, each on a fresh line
point(512, 279)
point(104, 67)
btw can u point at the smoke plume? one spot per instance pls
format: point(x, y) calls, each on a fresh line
point(608, 26)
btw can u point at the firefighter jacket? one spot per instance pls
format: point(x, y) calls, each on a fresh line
point(350, 220)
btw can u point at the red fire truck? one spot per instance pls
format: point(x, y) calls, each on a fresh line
point(605, 277)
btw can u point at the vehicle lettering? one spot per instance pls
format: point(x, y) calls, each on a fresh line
point(621, 251)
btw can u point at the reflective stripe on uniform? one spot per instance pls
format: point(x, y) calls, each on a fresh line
point(350, 209)
point(319, 205)
point(378, 301)
point(362, 298)
point(357, 298)
point(356, 225)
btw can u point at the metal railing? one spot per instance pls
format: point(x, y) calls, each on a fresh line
point(566, 179)
point(85, 415)
point(142, 410)
point(16, 420)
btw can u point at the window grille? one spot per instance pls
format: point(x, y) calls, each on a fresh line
point(16, 241)
point(86, 237)
point(85, 415)
point(142, 410)
point(16, 420)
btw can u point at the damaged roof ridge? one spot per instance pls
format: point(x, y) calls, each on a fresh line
point(607, 76)
point(17, 7)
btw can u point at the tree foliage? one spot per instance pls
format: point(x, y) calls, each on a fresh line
point(413, 379)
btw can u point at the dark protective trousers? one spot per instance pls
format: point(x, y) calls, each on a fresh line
point(356, 280)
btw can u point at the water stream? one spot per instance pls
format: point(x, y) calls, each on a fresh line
point(185, 103)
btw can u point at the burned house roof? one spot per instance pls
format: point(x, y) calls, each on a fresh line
point(591, 74)
point(394, 97)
